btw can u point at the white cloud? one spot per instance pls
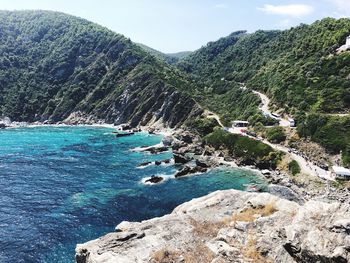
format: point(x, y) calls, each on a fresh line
point(343, 7)
point(296, 10)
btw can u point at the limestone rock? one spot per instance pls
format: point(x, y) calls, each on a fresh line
point(230, 226)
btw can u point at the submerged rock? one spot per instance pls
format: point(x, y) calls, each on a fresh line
point(165, 161)
point(155, 149)
point(230, 226)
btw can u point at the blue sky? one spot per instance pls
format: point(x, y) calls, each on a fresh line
point(177, 25)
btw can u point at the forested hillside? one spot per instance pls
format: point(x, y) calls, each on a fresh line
point(53, 65)
point(298, 69)
point(214, 90)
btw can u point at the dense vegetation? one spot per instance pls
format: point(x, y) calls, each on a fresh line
point(248, 150)
point(275, 134)
point(202, 125)
point(213, 90)
point(330, 131)
point(53, 64)
point(297, 68)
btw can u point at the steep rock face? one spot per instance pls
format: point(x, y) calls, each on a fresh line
point(144, 103)
point(230, 226)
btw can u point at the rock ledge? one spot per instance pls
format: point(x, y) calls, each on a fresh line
point(230, 226)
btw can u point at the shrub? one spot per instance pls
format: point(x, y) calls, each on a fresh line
point(294, 167)
point(205, 228)
point(346, 159)
point(276, 135)
point(238, 145)
point(203, 126)
point(259, 128)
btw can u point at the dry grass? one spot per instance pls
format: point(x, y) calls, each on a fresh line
point(249, 214)
point(283, 164)
point(198, 252)
point(207, 229)
point(164, 256)
point(250, 251)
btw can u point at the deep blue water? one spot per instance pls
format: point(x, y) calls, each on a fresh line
point(60, 186)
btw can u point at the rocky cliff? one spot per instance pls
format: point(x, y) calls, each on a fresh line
point(230, 226)
point(145, 99)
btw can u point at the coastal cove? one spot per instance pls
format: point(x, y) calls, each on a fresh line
point(61, 186)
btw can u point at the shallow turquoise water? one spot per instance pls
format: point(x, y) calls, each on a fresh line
point(66, 185)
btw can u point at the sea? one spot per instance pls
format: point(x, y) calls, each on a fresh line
point(61, 186)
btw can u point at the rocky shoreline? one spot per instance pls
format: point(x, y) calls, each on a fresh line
point(195, 157)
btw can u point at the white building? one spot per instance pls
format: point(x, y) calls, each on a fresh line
point(341, 172)
point(275, 116)
point(346, 46)
point(291, 122)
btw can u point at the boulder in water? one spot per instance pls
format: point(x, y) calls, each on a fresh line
point(144, 164)
point(181, 159)
point(187, 170)
point(154, 179)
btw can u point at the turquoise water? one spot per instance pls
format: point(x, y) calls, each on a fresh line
point(66, 185)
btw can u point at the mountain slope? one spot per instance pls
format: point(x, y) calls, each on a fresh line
point(295, 67)
point(54, 66)
point(298, 69)
point(216, 91)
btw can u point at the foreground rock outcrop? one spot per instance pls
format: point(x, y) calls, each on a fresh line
point(230, 226)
